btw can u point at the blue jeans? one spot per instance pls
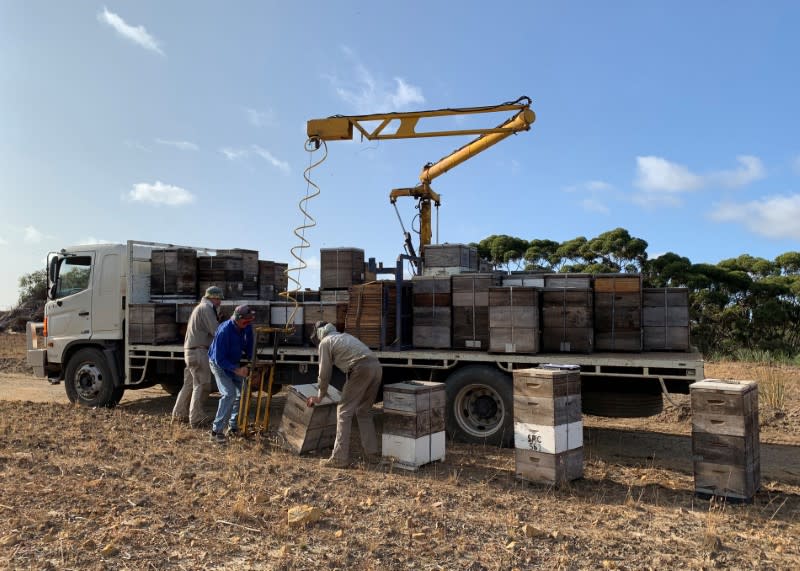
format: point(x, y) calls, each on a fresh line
point(230, 387)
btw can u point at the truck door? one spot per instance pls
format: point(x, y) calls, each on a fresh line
point(107, 286)
point(69, 309)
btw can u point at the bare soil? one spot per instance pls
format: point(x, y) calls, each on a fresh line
point(127, 489)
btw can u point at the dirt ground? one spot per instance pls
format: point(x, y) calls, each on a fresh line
point(127, 489)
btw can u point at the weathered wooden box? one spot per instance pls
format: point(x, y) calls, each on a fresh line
point(546, 383)
point(432, 315)
point(223, 271)
point(413, 396)
point(471, 310)
point(173, 271)
point(451, 256)
point(539, 467)
point(617, 321)
point(569, 281)
point(334, 313)
point(665, 319)
point(410, 453)
point(725, 438)
point(272, 279)
point(306, 429)
point(372, 314)
point(250, 270)
point(341, 268)
point(546, 410)
point(523, 279)
point(152, 323)
point(413, 422)
point(334, 295)
point(567, 320)
point(513, 320)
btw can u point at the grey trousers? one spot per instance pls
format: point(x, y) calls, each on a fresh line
point(358, 396)
point(196, 386)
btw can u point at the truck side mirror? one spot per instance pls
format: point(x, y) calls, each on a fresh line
point(52, 276)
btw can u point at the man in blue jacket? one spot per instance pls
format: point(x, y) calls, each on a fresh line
point(233, 339)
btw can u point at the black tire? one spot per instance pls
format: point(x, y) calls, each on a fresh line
point(480, 406)
point(88, 379)
point(614, 404)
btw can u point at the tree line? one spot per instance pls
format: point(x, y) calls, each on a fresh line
point(743, 304)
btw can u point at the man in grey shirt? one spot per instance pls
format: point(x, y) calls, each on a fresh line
point(197, 374)
point(364, 373)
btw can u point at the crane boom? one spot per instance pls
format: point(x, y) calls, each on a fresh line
point(342, 128)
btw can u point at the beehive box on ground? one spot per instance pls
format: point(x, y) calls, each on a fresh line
point(665, 319)
point(413, 423)
point(513, 320)
point(725, 438)
point(306, 429)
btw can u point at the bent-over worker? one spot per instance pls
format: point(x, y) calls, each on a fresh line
point(363, 371)
point(197, 374)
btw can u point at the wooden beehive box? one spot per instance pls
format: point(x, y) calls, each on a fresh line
point(306, 429)
point(250, 270)
point(451, 256)
point(432, 314)
point(262, 309)
point(334, 313)
point(567, 320)
point(547, 383)
point(618, 321)
point(173, 271)
point(665, 319)
point(570, 281)
point(513, 320)
point(725, 438)
point(152, 323)
point(523, 279)
point(372, 314)
point(539, 467)
point(341, 268)
point(334, 295)
point(413, 423)
point(471, 310)
point(223, 271)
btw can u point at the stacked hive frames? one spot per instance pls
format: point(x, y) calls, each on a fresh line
point(413, 423)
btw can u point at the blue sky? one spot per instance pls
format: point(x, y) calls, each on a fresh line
point(184, 122)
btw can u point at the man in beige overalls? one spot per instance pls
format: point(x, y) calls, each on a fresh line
point(363, 372)
point(197, 374)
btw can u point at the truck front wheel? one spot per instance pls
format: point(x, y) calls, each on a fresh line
point(480, 406)
point(88, 379)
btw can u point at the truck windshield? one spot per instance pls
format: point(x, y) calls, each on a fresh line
point(73, 275)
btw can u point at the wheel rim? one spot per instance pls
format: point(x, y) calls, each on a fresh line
point(87, 381)
point(479, 410)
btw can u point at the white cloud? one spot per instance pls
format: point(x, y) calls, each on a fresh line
point(181, 145)
point(269, 157)
point(370, 95)
point(598, 185)
point(592, 205)
point(592, 186)
point(2, 241)
point(160, 193)
point(774, 217)
point(31, 234)
point(93, 240)
point(137, 35)
point(651, 200)
point(233, 154)
point(259, 118)
point(656, 174)
point(136, 145)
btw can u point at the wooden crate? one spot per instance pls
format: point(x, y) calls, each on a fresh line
point(341, 268)
point(334, 295)
point(152, 323)
point(306, 429)
point(262, 309)
point(546, 383)
point(523, 279)
point(173, 271)
point(250, 270)
point(513, 320)
point(413, 424)
point(567, 320)
point(547, 411)
point(725, 438)
point(539, 467)
point(334, 313)
point(471, 309)
point(451, 255)
point(617, 319)
point(570, 281)
point(618, 283)
point(548, 438)
point(411, 453)
point(432, 316)
point(372, 314)
point(665, 319)
point(272, 279)
point(183, 311)
point(414, 396)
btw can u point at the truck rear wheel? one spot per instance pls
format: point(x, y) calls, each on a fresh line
point(480, 406)
point(88, 379)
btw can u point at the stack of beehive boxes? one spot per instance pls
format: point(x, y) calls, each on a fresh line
point(250, 270)
point(432, 312)
point(151, 323)
point(618, 312)
point(304, 428)
point(372, 314)
point(548, 427)
point(513, 319)
point(413, 423)
point(340, 268)
point(449, 259)
point(272, 279)
point(665, 319)
point(567, 313)
point(331, 312)
point(471, 310)
point(725, 446)
point(173, 273)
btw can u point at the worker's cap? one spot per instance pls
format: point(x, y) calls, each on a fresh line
point(244, 312)
point(214, 292)
point(317, 326)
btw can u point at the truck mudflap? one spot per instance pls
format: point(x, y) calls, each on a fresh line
point(37, 352)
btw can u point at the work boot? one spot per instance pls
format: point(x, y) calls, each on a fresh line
point(218, 438)
point(333, 463)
